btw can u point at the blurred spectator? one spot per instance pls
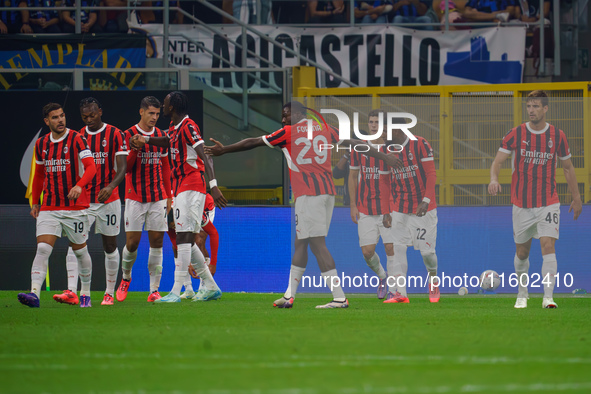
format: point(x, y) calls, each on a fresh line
point(44, 21)
point(341, 170)
point(88, 18)
point(114, 21)
point(246, 11)
point(412, 11)
point(373, 12)
point(157, 16)
point(454, 15)
point(327, 11)
point(15, 21)
point(487, 11)
point(291, 12)
point(530, 10)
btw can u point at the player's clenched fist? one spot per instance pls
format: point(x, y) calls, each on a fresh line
point(75, 193)
point(137, 142)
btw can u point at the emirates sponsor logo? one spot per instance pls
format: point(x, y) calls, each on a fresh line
point(535, 157)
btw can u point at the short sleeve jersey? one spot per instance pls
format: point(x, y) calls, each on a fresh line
point(105, 144)
point(409, 182)
point(187, 167)
point(308, 160)
point(373, 190)
point(533, 182)
point(143, 181)
point(62, 161)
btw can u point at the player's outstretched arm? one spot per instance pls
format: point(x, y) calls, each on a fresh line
point(571, 179)
point(391, 159)
point(494, 186)
point(138, 141)
point(219, 149)
point(218, 197)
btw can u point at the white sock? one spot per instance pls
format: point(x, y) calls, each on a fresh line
point(391, 265)
point(155, 268)
point(376, 266)
point(295, 277)
point(187, 282)
point(127, 260)
point(85, 270)
point(181, 266)
point(334, 283)
point(112, 269)
point(198, 263)
point(39, 267)
point(72, 269)
point(400, 268)
point(549, 269)
point(430, 260)
point(521, 268)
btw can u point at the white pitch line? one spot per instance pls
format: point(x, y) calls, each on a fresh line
point(310, 360)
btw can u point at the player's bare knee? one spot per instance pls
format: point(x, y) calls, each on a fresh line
point(547, 245)
point(110, 244)
point(522, 254)
point(389, 249)
point(368, 251)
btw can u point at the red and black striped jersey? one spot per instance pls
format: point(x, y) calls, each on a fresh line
point(209, 206)
point(187, 167)
point(105, 144)
point(373, 189)
point(533, 182)
point(308, 160)
point(143, 181)
point(409, 182)
point(62, 160)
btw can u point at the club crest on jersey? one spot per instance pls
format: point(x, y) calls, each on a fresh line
point(66, 150)
point(410, 156)
point(550, 143)
point(104, 143)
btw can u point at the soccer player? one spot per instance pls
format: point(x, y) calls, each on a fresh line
point(314, 191)
point(60, 157)
point(369, 188)
point(188, 165)
point(109, 152)
point(200, 238)
point(535, 145)
point(147, 199)
point(413, 221)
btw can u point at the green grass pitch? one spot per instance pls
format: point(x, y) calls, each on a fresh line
point(240, 344)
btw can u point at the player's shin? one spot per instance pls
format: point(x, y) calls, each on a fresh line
point(400, 268)
point(376, 266)
point(155, 268)
point(334, 283)
point(549, 269)
point(391, 265)
point(522, 271)
point(181, 266)
point(295, 278)
point(127, 260)
point(198, 263)
point(112, 269)
point(39, 268)
point(72, 269)
point(84, 269)
point(430, 260)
